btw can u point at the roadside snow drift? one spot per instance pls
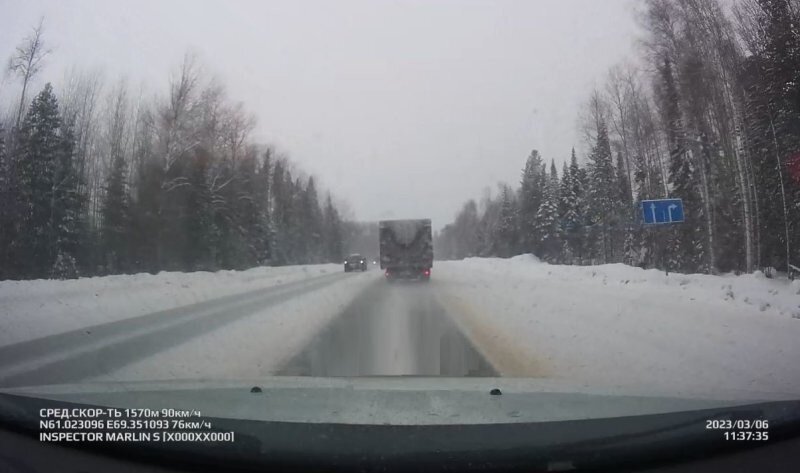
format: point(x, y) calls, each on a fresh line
point(610, 325)
point(619, 324)
point(33, 309)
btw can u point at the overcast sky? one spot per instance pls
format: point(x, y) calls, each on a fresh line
point(401, 108)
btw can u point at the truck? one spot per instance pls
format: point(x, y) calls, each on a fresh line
point(406, 249)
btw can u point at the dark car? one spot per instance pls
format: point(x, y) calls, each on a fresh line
point(355, 262)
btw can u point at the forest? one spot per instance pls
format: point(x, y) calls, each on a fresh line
point(96, 179)
point(101, 178)
point(709, 113)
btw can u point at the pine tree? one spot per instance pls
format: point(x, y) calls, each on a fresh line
point(686, 245)
point(572, 213)
point(298, 237)
point(332, 226)
point(146, 212)
point(247, 213)
point(280, 208)
point(262, 231)
point(564, 217)
point(506, 236)
point(200, 225)
point(602, 195)
point(313, 226)
point(563, 191)
point(4, 168)
point(68, 209)
point(5, 204)
point(771, 79)
point(35, 172)
point(465, 228)
point(116, 217)
point(547, 219)
point(624, 213)
point(531, 195)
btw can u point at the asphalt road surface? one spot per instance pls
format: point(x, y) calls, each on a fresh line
point(93, 351)
point(388, 329)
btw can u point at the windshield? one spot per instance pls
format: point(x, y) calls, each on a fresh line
point(598, 196)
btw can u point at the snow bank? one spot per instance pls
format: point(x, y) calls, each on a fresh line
point(628, 326)
point(749, 291)
point(32, 309)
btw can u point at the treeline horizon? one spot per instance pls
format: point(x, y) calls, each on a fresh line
point(710, 115)
point(95, 181)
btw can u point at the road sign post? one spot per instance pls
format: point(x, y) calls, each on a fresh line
point(662, 212)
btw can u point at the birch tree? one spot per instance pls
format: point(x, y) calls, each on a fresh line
point(27, 62)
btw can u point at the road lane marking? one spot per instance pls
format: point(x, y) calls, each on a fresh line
point(58, 361)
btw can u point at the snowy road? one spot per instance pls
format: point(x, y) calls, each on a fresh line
point(608, 325)
point(78, 354)
point(391, 329)
point(342, 325)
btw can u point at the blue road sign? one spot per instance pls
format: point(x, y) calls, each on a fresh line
point(662, 211)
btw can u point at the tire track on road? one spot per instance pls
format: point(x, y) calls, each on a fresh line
point(477, 326)
point(99, 349)
point(390, 330)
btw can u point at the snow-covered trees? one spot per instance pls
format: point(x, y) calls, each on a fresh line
point(547, 219)
point(47, 204)
point(135, 185)
point(685, 244)
point(531, 194)
point(332, 232)
point(312, 221)
point(6, 201)
point(68, 207)
point(114, 220)
point(711, 114)
point(460, 239)
point(770, 77)
point(601, 197)
point(35, 158)
point(506, 236)
point(571, 211)
point(116, 217)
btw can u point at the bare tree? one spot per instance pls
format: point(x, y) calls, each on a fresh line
point(79, 99)
point(237, 128)
point(620, 117)
point(177, 130)
point(595, 111)
point(114, 141)
point(26, 62)
point(211, 111)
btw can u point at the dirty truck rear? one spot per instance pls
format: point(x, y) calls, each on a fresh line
point(406, 248)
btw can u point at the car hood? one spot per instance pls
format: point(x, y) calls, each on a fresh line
point(388, 400)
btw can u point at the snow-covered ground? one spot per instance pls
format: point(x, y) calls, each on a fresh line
point(32, 309)
point(609, 325)
point(623, 325)
point(253, 347)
